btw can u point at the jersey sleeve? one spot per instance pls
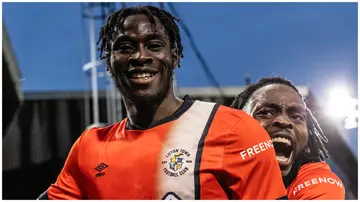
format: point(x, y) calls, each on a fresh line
point(250, 162)
point(66, 186)
point(316, 184)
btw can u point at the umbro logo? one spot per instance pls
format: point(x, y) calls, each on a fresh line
point(100, 168)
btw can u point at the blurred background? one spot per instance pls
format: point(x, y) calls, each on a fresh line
point(55, 86)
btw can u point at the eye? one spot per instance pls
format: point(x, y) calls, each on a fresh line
point(125, 48)
point(154, 47)
point(297, 117)
point(266, 113)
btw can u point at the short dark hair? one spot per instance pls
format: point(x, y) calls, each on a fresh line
point(117, 18)
point(316, 135)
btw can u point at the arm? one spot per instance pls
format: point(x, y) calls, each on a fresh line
point(250, 163)
point(66, 186)
point(317, 183)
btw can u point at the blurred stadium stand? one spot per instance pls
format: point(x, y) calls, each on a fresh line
point(11, 89)
point(50, 122)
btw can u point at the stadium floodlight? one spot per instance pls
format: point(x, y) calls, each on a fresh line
point(341, 106)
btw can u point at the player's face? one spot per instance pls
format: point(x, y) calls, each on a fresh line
point(141, 60)
point(281, 111)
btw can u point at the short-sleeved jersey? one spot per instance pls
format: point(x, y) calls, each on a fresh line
point(202, 151)
point(316, 181)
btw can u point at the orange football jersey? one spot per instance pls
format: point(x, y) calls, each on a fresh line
point(202, 151)
point(316, 181)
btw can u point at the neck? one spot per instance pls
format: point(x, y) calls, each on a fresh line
point(144, 114)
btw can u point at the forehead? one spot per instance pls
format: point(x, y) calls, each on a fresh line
point(139, 25)
point(277, 94)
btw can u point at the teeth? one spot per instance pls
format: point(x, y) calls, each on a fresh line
point(141, 75)
point(282, 140)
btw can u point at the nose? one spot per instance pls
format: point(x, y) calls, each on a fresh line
point(283, 122)
point(140, 58)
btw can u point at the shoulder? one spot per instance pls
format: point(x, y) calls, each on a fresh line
point(242, 134)
point(222, 114)
point(316, 181)
point(241, 124)
point(314, 168)
point(233, 113)
point(231, 117)
point(96, 135)
point(317, 170)
point(232, 123)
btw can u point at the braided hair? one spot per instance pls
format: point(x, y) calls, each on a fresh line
point(116, 20)
point(316, 135)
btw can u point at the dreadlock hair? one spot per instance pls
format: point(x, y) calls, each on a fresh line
point(116, 20)
point(316, 135)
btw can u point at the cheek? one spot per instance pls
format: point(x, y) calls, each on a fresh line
point(113, 58)
point(165, 58)
point(118, 63)
point(264, 123)
point(302, 136)
point(166, 69)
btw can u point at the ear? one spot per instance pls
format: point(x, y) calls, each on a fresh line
point(174, 58)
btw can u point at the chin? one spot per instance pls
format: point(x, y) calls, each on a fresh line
point(146, 96)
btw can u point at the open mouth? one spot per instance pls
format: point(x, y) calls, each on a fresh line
point(141, 76)
point(284, 149)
